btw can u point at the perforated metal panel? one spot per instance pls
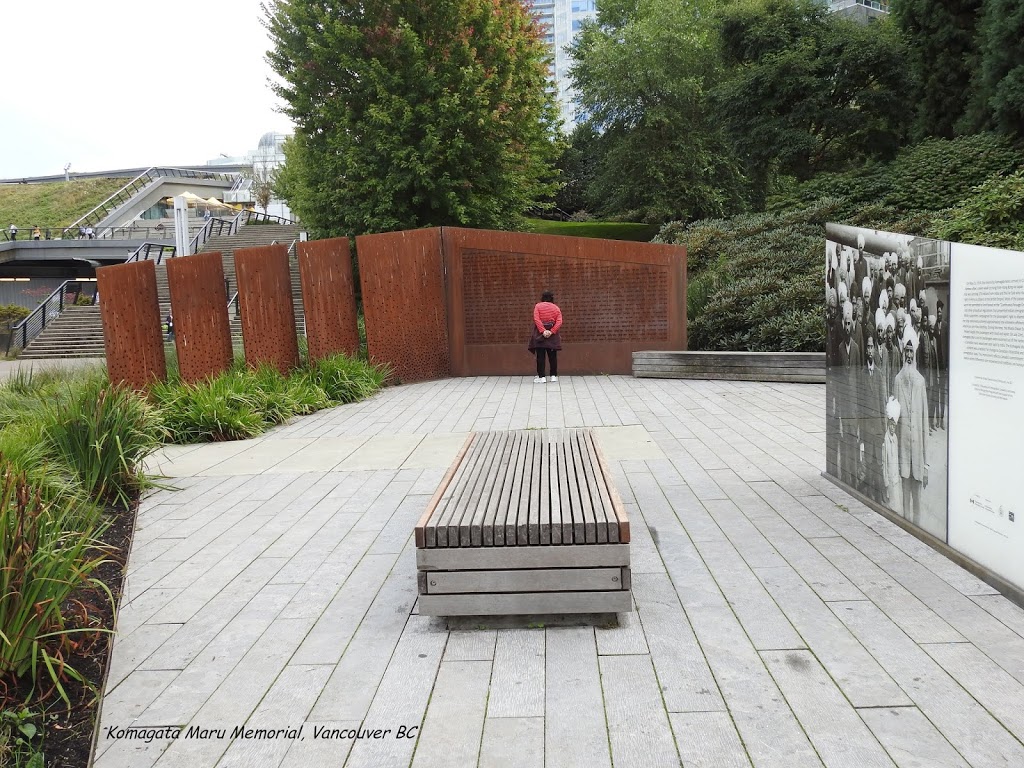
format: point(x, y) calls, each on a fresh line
point(329, 297)
point(404, 302)
point(453, 301)
point(130, 311)
point(616, 297)
point(202, 332)
point(268, 315)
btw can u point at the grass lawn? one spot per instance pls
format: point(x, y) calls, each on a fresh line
point(52, 205)
point(610, 230)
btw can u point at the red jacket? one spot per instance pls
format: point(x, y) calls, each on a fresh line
point(546, 312)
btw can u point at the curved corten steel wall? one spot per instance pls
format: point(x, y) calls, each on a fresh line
point(616, 298)
point(202, 332)
point(329, 297)
point(130, 311)
point(268, 314)
point(402, 277)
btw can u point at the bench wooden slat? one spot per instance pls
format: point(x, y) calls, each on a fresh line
point(479, 494)
point(536, 489)
point(523, 515)
point(545, 493)
point(593, 489)
point(611, 520)
point(480, 558)
point(502, 483)
point(517, 492)
point(620, 510)
point(491, 495)
point(565, 481)
point(448, 531)
point(458, 483)
point(426, 536)
point(556, 497)
point(587, 513)
point(522, 580)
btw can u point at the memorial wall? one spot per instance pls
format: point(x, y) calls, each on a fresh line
point(924, 387)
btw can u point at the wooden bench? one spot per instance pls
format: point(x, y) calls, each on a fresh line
point(524, 522)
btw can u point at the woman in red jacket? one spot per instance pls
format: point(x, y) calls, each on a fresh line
point(545, 340)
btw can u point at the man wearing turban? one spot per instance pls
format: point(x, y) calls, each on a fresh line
point(892, 479)
point(911, 393)
point(872, 391)
point(851, 359)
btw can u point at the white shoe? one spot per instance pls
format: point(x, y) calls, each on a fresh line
point(540, 380)
point(554, 379)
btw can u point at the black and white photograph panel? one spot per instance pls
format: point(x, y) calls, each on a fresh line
point(887, 383)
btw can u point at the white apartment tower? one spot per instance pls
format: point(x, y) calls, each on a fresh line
point(561, 20)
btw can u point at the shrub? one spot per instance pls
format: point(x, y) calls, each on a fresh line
point(345, 379)
point(992, 215)
point(224, 408)
point(48, 550)
point(243, 403)
point(102, 433)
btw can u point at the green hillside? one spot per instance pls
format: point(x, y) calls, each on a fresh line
point(52, 205)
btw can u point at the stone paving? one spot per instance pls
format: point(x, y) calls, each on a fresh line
point(778, 621)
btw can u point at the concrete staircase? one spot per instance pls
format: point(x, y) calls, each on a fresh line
point(78, 331)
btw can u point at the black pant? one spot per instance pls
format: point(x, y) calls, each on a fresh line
point(552, 356)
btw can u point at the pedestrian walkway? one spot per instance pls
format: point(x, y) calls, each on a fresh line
point(778, 621)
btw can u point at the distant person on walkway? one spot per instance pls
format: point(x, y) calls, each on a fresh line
point(89, 233)
point(170, 327)
point(13, 232)
point(545, 339)
point(36, 233)
point(911, 393)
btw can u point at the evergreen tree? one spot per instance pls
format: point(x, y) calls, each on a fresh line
point(941, 38)
point(999, 88)
point(642, 73)
point(808, 90)
point(412, 114)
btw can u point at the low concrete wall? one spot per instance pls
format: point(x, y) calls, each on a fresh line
point(800, 367)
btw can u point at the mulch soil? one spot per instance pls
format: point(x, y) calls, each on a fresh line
point(67, 733)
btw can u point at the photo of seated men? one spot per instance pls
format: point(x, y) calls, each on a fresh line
point(887, 351)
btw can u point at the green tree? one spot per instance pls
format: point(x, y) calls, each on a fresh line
point(999, 80)
point(643, 70)
point(941, 39)
point(808, 90)
point(412, 114)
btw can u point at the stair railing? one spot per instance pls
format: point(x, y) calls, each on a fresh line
point(233, 302)
point(146, 251)
point(48, 310)
point(129, 190)
point(266, 218)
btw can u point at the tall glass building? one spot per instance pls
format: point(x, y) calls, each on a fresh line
point(561, 20)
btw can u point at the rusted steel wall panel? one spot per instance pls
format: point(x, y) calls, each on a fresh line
point(616, 297)
point(130, 311)
point(329, 297)
point(202, 332)
point(268, 314)
point(403, 285)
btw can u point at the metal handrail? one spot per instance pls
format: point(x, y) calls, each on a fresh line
point(251, 215)
point(48, 310)
point(151, 174)
point(142, 252)
point(238, 308)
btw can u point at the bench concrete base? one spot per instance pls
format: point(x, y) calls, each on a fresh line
point(797, 367)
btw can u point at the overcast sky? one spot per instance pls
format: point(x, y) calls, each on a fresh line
point(121, 83)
